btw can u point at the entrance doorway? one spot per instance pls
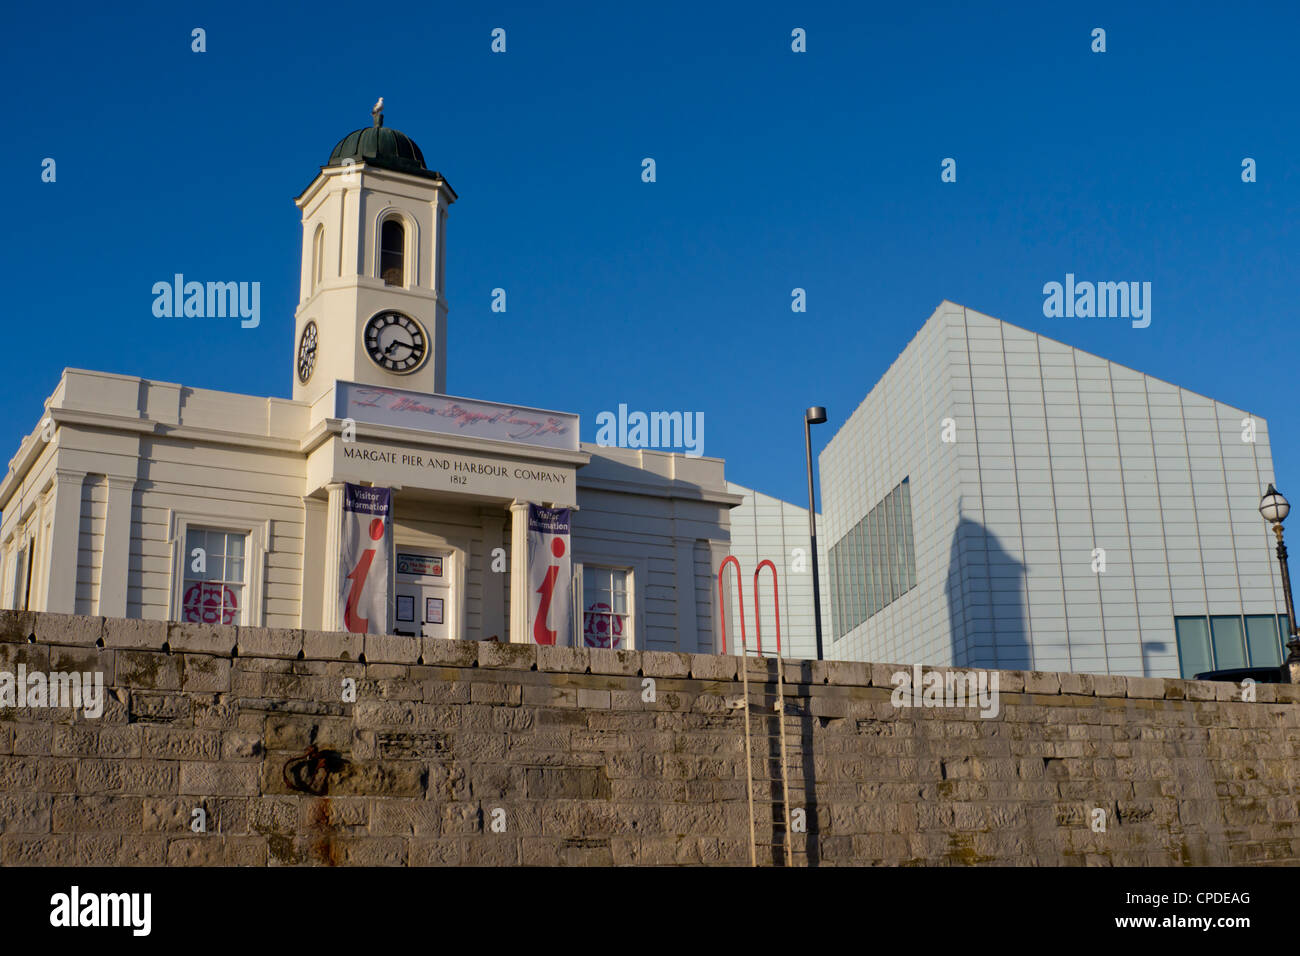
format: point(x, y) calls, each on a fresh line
point(423, 593)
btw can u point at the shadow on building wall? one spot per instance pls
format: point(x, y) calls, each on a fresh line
point(986, 618)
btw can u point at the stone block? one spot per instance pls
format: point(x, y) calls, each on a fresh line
point(17, 626)
point(1011, 682)
point(1110, 685)
point(443, 652)
point(665, 664)
point(522, 657)
point(606, 661)
point(713, 667)
point(175, 743)
point(277, 642)
point(1077, 684)
point(86, 660)
point(75, 629)
point(151, 670)
point(332, 645)
point(495, 692)
point(1042, 682)
point(204, 674)
point(847, 673)
point(134, 633)
point(217, 639)
point(1146, 688)
point(391, 649)
point(568, 660)
point(593, 699)
point(207, 850)
point(882, 675)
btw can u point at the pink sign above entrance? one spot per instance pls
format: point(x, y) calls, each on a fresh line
point(380, 405)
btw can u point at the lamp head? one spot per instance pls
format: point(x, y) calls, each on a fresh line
point(1273, 506)
point(815, 415)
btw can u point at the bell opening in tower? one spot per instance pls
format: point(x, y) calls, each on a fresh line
point(392, 244)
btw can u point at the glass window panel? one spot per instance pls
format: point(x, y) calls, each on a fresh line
point(1261, 640)
point(235, 570)
point(837, 578)
point(900, 547)
point(847, 582)
point(869, 564)
point(885, 571)
point(1229, 647)
point(830, 576)
point(887, 550)
point(859, 571)
point(861, 590)
point(606, 615)
point(909, 547)
point(877, 579)
point(1193, 635)
point(842, 592)
point(236, 549)
point(891, 516)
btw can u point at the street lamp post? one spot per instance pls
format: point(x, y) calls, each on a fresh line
point(1274, 507)
point(815, 415)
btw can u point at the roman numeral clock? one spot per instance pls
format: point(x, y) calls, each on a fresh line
point(395, 342)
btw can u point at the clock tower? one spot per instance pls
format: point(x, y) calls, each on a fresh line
point(371, 307)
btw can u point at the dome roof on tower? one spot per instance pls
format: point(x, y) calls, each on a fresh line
point(382, 147)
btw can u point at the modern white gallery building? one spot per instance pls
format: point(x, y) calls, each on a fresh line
point(1001, 499)
point(150, 499)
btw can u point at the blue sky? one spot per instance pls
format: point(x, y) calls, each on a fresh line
point(775, 170)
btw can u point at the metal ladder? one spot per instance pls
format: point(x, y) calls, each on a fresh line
point(785, 845)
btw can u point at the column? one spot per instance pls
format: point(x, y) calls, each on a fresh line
point(117, 546)
point(65, 538)
point(314, 548)
point(333, 543)
point(519, 573)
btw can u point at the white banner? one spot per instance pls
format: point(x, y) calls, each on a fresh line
point(550, 574)
point(366, 542)
point(382, 405)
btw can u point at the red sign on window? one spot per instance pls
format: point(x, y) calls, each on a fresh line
point(209, 602)
point(600, 628)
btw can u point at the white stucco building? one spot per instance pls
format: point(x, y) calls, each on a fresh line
point(970, 497)
point(123, 478)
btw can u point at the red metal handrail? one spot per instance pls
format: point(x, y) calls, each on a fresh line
point(722, 607)
point(776, 604)
point(740, 603)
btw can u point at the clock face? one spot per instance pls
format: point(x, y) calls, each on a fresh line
point(307, 352)
point(395, 342)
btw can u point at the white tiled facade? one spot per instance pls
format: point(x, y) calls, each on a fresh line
point(1055, 453)
point(766, 528)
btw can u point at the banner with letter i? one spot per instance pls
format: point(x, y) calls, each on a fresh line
point(366, 542)
point(550, 574)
